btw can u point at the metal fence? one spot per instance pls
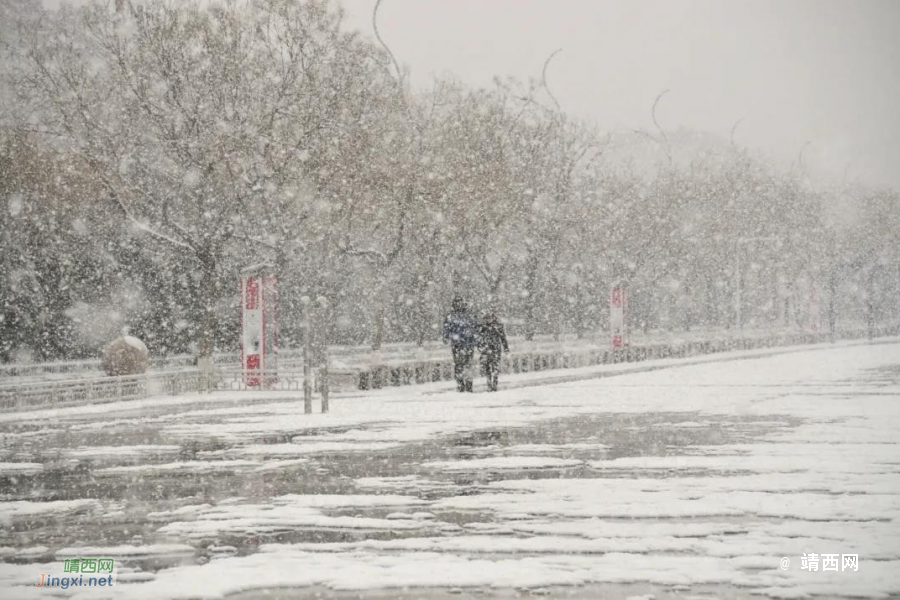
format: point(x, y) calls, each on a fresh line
point(28, 395)
point(74, 392)
point(418, 372)
point(291, 357)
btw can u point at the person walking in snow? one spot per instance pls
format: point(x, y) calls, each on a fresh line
point(492, 342)
point(461, 332)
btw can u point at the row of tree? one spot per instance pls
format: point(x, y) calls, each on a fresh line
point(149, 150)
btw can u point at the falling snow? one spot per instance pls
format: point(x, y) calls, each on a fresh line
point(697, 341)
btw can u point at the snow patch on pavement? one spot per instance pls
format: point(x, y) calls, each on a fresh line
point(130, 452)
point(554, 448)
point(290, 513)
point(497, 463)
point(126, 551)
point(189, 466)
point(295, 449)
point(21, 509)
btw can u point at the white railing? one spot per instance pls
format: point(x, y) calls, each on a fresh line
point(93, 366)
point(361, 356)
point(74, 392)
point(26, 395)
point(425, 371)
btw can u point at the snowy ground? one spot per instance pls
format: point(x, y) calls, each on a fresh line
point(690, 481)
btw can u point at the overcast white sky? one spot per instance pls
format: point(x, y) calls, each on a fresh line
point(825, 71)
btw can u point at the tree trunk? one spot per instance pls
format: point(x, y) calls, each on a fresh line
point(423, 317)
point(206, 331)
point(380, 311)
point(832, 311)
point(774, 316)
point(378, 335)
point(580, 310)
point(711, 315)
point(870, 303)
point(554, 309)
point(688, 308)
point(207, 298)
point(531, 299)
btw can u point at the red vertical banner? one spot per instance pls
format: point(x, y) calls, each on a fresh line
point(270, 327)
point(617, 305)
point(259, 325)
point(251, 330)
point(251, 300)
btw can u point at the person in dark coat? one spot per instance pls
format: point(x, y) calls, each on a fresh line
point(492, 344)
point(461, 332)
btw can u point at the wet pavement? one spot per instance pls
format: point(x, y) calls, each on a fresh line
point(138, 497)
point(79, 461)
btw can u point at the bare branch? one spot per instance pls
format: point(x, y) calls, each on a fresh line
point(656, 123)
point(373, 256)
point(733, 129)
point(544, 78)
point(376, 256)
point(140, 225)
point(385, 46)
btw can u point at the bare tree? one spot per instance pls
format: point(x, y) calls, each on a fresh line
point(201, 122)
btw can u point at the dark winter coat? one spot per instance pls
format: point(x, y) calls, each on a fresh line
point(460, 329)
point(492, 340)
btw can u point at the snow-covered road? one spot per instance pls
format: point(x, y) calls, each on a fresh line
point(694, 480)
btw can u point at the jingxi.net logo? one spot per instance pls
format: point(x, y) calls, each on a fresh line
point(82, 572)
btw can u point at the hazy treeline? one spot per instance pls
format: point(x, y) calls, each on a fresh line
point(149, 150)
